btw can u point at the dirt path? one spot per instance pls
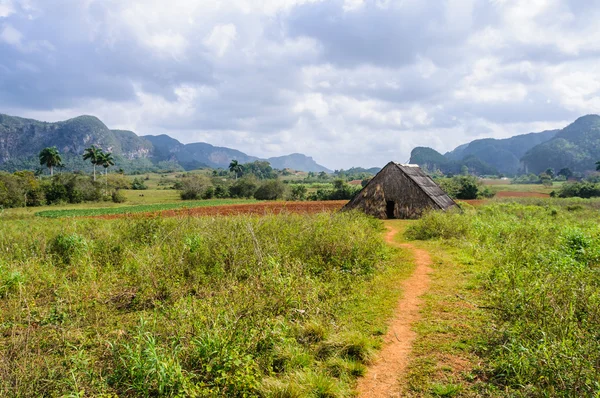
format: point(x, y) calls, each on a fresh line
point(381, 379)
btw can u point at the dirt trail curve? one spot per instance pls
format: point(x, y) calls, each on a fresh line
point(381, 379)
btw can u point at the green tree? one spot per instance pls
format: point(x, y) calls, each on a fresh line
point(245, 187)
point(50, 158)
point(270, 190)
point(236, 168)
point(94, 155)
point(566, 172)
point(106, 160)
point(195, 186)
point(299, 192)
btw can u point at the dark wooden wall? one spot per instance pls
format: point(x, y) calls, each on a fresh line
point(391, 184)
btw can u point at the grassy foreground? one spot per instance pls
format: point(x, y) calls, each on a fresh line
point(518, 313)
point(282, 306)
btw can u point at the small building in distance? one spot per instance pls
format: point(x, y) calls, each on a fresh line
point(400, 191)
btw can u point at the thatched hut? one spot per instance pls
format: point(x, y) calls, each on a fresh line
point(400, 191)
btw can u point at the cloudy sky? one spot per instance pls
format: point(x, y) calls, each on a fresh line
point(349, 82)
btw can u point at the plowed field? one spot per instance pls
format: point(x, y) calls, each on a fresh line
point(253, 208)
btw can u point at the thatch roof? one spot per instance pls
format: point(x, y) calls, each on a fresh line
point(428, 186)
point(400, 191)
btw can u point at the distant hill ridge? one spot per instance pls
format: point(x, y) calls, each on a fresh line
point(577, 147)
point(21, 140)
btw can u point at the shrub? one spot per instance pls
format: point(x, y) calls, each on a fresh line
point(221, 192)
point(579, 190)
point(118, 196)
point(12, 193)
point(270, 190)
point(10, 281)
point(298, 192)
point(138, 184)
point(341, 190)
point(68, 247)
point(244, 187)
point(194, 187)
point(464, 187)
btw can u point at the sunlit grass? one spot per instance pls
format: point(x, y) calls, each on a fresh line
point(147, 208)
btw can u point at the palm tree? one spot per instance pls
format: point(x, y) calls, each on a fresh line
point(106, 160)
point(93, 154)
point(50, 158)
point(235, 168)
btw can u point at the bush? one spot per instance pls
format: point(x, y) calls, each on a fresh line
point(341, 191)
point(464, 187)
point(270, 190)
point(68, 247)
point(138, 184)
point(579, 190)
point(244, 187)
point(118, 197)
point(298, 192)
point(12, 192)
point(71, 188)
point(194, 187)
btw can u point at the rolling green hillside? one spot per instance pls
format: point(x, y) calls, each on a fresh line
point(505, 154)
point(433, 160)
point(21, 140)
point(577, 147)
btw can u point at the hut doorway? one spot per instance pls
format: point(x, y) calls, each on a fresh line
point(389, 209)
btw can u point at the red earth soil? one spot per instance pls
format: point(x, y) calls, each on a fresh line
point(262, 208)
point(381, 379)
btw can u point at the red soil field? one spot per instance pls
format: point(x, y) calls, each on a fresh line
point(262, 208)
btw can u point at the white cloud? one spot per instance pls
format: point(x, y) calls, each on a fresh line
point(352, 82)
point(221, 38)
point(11, 36)
point(6, 8)
point(353, 5)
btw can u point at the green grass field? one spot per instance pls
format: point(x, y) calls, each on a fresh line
point(515, 306)
point(284, 305)
point(106, 211)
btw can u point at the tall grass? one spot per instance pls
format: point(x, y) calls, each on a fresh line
point(236, 306)
point(542, 284)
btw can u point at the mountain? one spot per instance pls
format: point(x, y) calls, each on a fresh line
point(297, 161)
point(433, 160)
point(196, 155)
point(21, 140)
point(504, 154)
point(577, 147)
